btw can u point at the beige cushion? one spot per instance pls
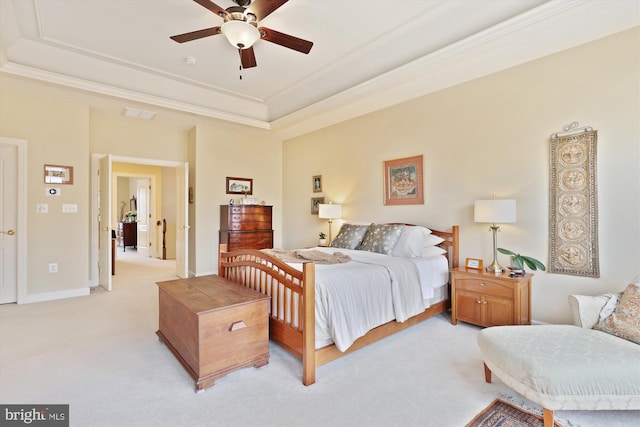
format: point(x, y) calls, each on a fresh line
point(624, 322)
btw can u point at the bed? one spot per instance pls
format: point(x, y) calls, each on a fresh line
point(305, 296)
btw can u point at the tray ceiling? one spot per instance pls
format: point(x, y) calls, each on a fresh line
point(367, 54)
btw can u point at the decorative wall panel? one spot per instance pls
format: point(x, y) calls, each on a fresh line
point(573, 222)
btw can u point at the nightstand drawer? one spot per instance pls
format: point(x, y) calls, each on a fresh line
point(485, 286)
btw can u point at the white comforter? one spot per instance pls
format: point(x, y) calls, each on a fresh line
point(372, 289)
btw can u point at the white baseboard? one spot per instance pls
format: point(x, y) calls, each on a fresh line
point(50, 296)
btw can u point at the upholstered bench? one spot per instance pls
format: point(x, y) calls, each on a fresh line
point(565, 367)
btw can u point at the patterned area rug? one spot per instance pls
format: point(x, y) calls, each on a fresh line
point(502, 414)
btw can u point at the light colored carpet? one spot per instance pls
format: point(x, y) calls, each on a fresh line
point(100, 354)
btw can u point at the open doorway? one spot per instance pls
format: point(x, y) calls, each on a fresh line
point(107, 211)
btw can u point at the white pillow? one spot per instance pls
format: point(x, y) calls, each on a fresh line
point(411, 242)
point(428, 251)
point(432, 240)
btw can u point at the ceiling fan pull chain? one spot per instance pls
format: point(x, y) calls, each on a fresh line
point(240, 72)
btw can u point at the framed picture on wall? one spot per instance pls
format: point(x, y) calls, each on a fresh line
point(315, 204)
point(54, 174)
point(239, 185)
point(317, 184)
point(403, 181)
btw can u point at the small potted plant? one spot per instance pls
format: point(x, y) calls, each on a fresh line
point(519, 261)
point(131, 216)
point(323, 239)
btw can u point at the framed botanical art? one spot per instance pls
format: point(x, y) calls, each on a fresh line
point(315, 204)
point(239, 185)
point(403, 181)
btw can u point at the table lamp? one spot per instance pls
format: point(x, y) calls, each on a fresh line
point(495, 211)
point(329, 211)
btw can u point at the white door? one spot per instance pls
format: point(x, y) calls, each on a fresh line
point(143, 216)
point(8, 223)
point(182, 220)
point(104, 223)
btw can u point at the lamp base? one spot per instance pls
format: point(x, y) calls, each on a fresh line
point(495, 268)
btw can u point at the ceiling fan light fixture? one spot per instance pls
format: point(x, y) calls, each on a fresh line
point(240, 34)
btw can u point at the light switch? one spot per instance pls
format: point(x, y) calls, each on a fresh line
point(69, 208)
point(42, 208)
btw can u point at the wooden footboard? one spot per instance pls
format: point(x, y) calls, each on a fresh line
point(292, 309)
point(292, 292)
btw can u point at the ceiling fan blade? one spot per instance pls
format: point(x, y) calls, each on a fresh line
point(194, 35)
point(247, 57)
point(263, 8)
point(212, 7)
point(285, 40)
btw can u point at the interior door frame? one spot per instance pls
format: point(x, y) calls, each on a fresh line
point(95, 165)
point(152, 196)
point(21, 219)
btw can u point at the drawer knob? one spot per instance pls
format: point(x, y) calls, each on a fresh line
point(478, 302)
point(236, 326)
point(481, 284)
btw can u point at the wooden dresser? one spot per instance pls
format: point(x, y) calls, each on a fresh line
point(128, 234)
point(213, 326)
point(489, 299)
point(246, 226)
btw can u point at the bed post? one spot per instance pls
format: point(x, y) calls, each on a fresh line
point(309, 325)
point(455, 230)
point(222, 247)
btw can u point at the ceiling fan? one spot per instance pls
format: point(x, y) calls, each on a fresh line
point(241, 29)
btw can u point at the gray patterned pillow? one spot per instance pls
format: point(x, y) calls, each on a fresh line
point(350, 236)
point(381, 238)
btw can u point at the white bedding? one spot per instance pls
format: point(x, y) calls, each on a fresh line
point(372, 289)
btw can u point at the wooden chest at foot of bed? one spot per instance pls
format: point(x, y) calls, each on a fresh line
point(213, 326)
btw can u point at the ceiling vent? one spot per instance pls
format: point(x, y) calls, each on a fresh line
point(138, 114)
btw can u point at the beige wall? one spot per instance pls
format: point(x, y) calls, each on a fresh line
point(490, 136)
point(216, 152)
point(57, 133)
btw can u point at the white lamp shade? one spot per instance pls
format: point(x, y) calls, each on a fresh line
point(330, 211)
point(495, 211)
point(240, 33)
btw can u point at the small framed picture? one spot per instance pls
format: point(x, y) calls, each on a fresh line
point(239, 185)
point(315, 204)
point(54, 174)
point(473, 264)
point(317, 184)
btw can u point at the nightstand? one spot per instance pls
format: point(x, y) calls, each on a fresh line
point(488, 299)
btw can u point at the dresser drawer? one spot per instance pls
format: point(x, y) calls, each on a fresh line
point(248, 209)
point(257, 240)
point(485, 286)
point(251, 222)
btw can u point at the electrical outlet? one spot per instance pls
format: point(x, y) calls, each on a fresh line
point(53, 267)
